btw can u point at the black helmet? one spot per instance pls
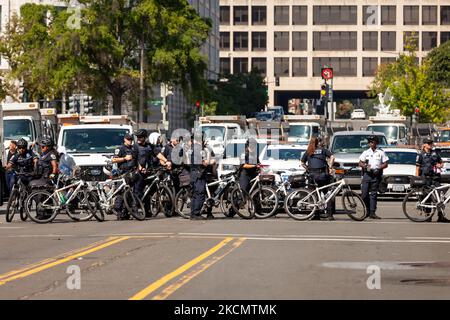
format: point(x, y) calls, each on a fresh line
point(428, 141)
point(251, 141)
point(373, 139)
point(47, 142)
point(141, 133)
point(22, 143)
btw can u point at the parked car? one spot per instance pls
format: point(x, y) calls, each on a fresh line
point(444, 153)
point(347, 147)
point(279, 112)
point(358, 114)
point(402, 165)
point(265, 116)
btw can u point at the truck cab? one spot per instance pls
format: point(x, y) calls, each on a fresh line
point(303, 127)
point(394, 128)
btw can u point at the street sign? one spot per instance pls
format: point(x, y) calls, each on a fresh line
point(156, 102)
point(327, 73)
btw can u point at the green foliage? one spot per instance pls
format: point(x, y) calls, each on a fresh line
point(242, 94)
point(411, 87)
point(439, 59)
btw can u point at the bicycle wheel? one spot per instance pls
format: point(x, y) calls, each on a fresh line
point(413, 209)
point(265, 202)
point(300, 204)
point(13, 204)
point(242, 204)
point(99, 212)
point(183, 202)
point(354, 205)
point(82, 208)
point(225, 202)
point(162, 201)
point(41, 206)
point(134, 205)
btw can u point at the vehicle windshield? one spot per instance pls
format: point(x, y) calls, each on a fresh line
point(283, 154)
point(17, 129)
point(444, 153)
point(213, 132)
point(93, 140)
point(445, 136)
point(402, 157)
point(391, 132)
point(303, 132)
point(353, 143)
point(234, 150)
point(264, 116)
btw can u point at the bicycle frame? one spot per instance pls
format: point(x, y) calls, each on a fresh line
point(321, 199)
point(106, 197)
point(440, 200)
point(220, 183)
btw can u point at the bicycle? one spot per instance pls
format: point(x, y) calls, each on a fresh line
point(162, 198)
point(107, 192)
point(302, 203)
point(16, 201)
point(74, 198)
point(421, 203)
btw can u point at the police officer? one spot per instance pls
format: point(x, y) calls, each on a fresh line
point(173, 152)
point(48, 161)
point(199, 163)
point(24, 161)
point(125, 156)
point(373, 161)
point(249, 164)
point(318, 162)
point(427, 164)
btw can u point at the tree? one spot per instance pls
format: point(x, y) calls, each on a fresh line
point(411, 87)
point(102, 54)
point(439, 59)
point(344, 109)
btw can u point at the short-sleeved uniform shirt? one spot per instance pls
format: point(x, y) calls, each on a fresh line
point(45, 162)
point(374, 158)
point(124, 151)
point(250, 158)
point(318, 160)
point(427, 163)
point(24, 162)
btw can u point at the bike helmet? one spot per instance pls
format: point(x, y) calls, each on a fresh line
point(153, 138)
point(141, 133)
point(47, 142)
point(22, 143)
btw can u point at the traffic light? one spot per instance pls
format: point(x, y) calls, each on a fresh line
point(277, 81)
point(21, 92)
point(87, 104)
point(414, 118)
point(417, 110)
point(324, 89)
point(74, 104)
point(198, 104)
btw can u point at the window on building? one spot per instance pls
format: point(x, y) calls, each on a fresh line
point(388, 41)
point(281, 15)
point(259, 41)
point(225, 66)
point(260, 64)
point(299, 67)
point(299, 41)
point(336, 40)
point(240, 65)
point(412, 38)
point(240, 42)
point(429, 40)
point(369, 66)
point(335, 15)
point(344, 67)
point(225, 41)
point(445, 36)
point(445, 15)
point(370, 15)
point(388, 60)
point(299, 15)
point(388, 15)
point(410, 15)
point(281, 41)
point(281, 67)
point(429, 15)
point(370, 41)
point(259, 15)
point(241, 15)
point(224, 15)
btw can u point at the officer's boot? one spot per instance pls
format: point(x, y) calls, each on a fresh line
point(441, 218)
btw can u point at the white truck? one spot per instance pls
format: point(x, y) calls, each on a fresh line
point(92, 140)
point(303, 127)
point(218, 130)
point(393, 126)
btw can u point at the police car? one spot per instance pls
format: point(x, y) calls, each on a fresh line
point(402, 165)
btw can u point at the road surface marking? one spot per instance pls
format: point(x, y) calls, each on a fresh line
point(52, 262)
point(271, 235)
point(186, 278)
point(162, 281)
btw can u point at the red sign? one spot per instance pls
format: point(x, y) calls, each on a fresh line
point(327, 73)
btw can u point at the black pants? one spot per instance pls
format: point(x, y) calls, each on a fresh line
point(322, 179)
point(198, 183)
point(369, 189)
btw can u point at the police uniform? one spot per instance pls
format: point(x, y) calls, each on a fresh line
point(372, 178)
point(249, 174)
point(174, 155)
point(198, 179)
point(427, 163)
point(24, 164)
point(319, 170)
point(145, 160)
point(45, 163)
point(124, 167)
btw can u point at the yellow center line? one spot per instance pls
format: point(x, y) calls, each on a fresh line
point(52, 262)
point(159, 283)
point(185, 279)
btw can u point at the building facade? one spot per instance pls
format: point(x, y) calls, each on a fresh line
point(294, 39)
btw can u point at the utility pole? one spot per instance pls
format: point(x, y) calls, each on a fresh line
point(141, 82)
point(81, 103)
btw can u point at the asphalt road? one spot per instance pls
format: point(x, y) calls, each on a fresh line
point(278, 258)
